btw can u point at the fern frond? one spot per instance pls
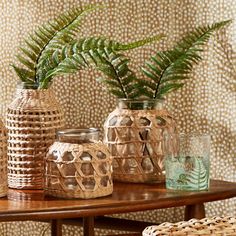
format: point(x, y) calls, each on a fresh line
point(80, 52)
point(85, 45)
point(118, 77)
point(121, 74)
point(166, 69)
point(48, 38)
point(70, 22)
point(24, 75)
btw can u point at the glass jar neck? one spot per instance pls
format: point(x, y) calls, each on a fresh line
point(26, 85)
point(140, 104)
point(30, 85)
point(78, 136)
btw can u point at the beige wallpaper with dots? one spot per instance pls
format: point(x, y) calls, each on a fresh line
point(207, 102)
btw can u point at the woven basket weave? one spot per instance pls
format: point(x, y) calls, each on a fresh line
point(136, 141)
point(32, 120)
point(3, 161)
point(78, 170)
point(217, 226)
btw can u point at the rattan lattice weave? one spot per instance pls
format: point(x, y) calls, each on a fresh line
point(32, 120)
point(216, 226)
point(136, 142)
point(78, 170)
point(3, 161)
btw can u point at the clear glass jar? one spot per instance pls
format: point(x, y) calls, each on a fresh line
point(80, 136)
point(78, 165)
point(134, 134)
point(189, 168)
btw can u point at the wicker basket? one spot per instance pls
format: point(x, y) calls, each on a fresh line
point(217, 226)
point(32, 120)
point(136, 141)
point(3, 161)
point(78, 170)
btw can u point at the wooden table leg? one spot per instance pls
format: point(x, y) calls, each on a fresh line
point(88, 226)
point(56, 228)
point(194, 211)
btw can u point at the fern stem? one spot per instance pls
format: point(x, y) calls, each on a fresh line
point(121, 86)
point(116, 77)
point(158, 84)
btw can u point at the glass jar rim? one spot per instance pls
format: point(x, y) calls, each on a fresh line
point(140, 103)
point(138, 100)
point(77, 131)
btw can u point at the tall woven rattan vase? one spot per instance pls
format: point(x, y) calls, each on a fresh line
point(135, 134)
point(3, 160)
point(33, 118)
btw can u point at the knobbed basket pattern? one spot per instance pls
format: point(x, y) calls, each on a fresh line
point(78, 170)
point(3, 161)
point(218, 226)
point(32, 120)
point(136, 141)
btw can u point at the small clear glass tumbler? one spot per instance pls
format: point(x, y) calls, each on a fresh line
point(189, 168)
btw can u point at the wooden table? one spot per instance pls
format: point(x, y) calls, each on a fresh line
point(33, 205)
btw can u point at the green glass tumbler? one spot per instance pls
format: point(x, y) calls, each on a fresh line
point(188, 169)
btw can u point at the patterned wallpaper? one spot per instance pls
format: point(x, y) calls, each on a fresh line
point(207, 102)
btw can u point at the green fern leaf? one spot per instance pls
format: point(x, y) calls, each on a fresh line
point(88, 52)
point(128, 79)
point(25, 62)
point(118, 93)
point(48, 38)
point(115, 67)
point(24, 75)
point(167, 68)
point(139, 90)
point(149, 74)
point(28, 54)
point(117, 63)
point(147, 84)
point(108, 70)
point(167, 88)
point(108, 82)
point(34, 48)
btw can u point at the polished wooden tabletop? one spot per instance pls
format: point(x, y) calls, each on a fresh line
point(33, 205)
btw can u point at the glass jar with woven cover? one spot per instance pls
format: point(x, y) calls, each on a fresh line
point(32, 120)
point(3, 160)
point(134, 133)
point(78, 165)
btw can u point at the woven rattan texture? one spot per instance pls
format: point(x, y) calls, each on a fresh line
point(32, 120)
point(217, 226)
point(136, 141)
point(78, 170)
point(3, 160)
